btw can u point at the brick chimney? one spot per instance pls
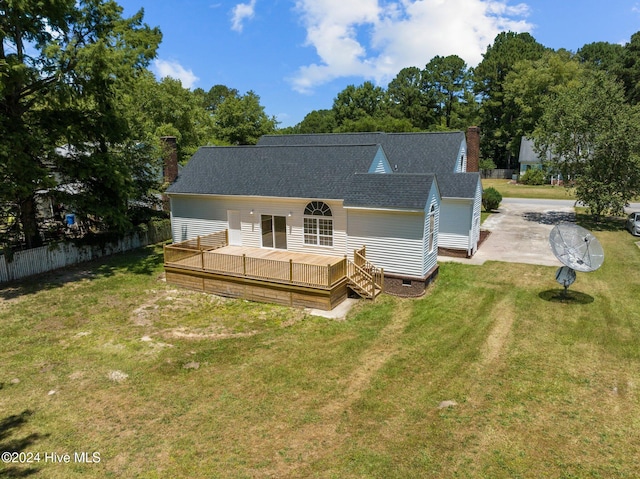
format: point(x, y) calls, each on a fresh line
point(169, 146)
point(170, 155)
point(473, 149)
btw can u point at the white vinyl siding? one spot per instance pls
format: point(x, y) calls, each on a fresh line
point(477, 207)
point(193, 216)
point(461, 161)
point(460, 222)
point(455, 223)
point(430, 257)
point(394, 239)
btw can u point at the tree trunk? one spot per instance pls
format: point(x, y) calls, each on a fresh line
point(29, 222)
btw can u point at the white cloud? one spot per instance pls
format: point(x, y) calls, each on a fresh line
point(240, 13)
point(173, 69)
point(375, 39)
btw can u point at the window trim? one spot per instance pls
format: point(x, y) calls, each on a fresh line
point(319, 217)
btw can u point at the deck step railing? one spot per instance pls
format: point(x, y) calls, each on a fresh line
point(364, 278)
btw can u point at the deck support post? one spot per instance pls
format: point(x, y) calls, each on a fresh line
point(290, 270)
point(198, 243)
point(244, 265)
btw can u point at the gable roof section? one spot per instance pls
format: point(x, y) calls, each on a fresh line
point(415, 153)
point(313, 172)
point(274, 171)
point(433, 152)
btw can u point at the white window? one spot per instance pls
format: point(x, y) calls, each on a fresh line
point(432, 227)
point(318, 224)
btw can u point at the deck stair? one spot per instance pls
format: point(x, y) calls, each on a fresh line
point(365, 279)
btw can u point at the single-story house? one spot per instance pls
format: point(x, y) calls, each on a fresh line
point(348, 209)
point(451, 156)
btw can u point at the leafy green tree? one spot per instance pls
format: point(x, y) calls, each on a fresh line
point(357, 102)
point(166, 108)
point(318, 121)
point(408, 99)
point(65, 66)
point(528, 84)
point(489, 76)
point(602, 55)
point(591, 133)
point(386, 123)
point(241, 120)
point(630, 69)
point(486, 165)
point(449, 80)
point(215, 96)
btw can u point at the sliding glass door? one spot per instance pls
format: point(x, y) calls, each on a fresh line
point(274, 231)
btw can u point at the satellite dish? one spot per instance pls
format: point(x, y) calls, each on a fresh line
point(577, 249)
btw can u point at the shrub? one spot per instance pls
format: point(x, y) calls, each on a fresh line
point(491, 199)
point(534, 177)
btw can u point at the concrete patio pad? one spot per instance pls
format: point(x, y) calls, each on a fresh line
point(520, 232)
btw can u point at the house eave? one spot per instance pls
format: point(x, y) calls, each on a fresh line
point(372, 208)
point(216, 195)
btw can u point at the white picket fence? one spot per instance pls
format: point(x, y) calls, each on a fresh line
point(47, 258)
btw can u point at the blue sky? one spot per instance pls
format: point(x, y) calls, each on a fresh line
point(298, 54)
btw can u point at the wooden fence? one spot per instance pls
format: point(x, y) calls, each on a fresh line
point(498, 174)
point(23, 264)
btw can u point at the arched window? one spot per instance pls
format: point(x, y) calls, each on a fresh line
point(318, 224)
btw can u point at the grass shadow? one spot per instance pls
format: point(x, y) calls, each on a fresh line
point(144, 260)
point(602, 223)
point(570, 297)
point(9, 426)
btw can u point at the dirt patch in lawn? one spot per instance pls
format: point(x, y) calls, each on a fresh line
point(496, 342)
point(207, 317)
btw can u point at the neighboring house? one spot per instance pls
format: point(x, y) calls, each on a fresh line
point(531, 160)
point(312, 202)
point(449, 155)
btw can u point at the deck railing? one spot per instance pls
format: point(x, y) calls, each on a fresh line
point(364, 275)
point(206, 243)
point(193, 255)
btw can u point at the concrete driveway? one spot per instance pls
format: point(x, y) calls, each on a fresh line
point(520, 232)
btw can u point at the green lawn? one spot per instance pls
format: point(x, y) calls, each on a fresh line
point(163, 382)
point(508, 189)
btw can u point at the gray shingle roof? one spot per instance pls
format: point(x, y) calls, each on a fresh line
point(458, 185)
point(389, 191)
point(417, 153)
point(314, 172)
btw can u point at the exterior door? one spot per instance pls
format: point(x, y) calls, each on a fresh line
point(274, 231)
point(235, 228)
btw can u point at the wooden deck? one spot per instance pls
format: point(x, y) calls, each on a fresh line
point(270, 275)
